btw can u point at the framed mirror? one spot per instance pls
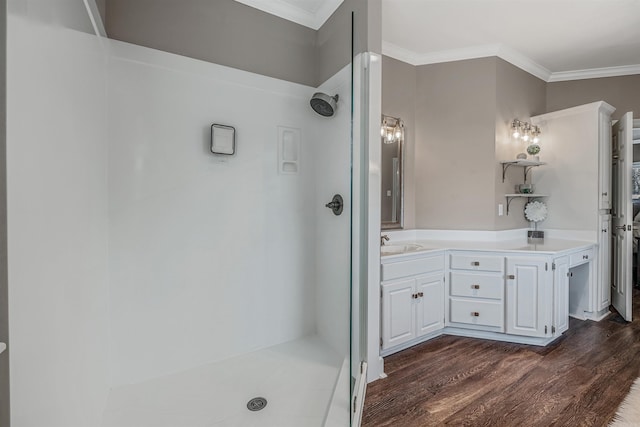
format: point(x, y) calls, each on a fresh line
point(392, 171)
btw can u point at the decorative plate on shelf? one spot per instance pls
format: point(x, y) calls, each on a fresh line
point(535, 211)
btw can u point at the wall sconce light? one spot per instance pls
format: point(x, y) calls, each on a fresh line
point(392, 130)
point(529, 134)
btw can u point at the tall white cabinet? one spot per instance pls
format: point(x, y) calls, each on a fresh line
point(577, 142)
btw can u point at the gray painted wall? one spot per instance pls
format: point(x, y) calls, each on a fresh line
point(518, 95)
point(5, 419)
point(334, 37)
point(457, 119)
point(455, 147)
point(224, 32)
point(399, 81)
point(64, 13)
point(230, 33)
point(622, 92)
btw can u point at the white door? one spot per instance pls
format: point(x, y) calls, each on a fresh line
point(529, 305)
point(398, 316)
point(622, 143)
point(430, 304)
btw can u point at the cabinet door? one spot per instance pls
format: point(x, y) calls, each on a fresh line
point(561, 295)
point(604, 263)
point(398, 316)
point(430, 304)
point(529, 303)
point(604, 157)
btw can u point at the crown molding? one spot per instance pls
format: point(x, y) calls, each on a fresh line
point(295, 14)
point(415, 58)
point(512, 56)
point(523, 62)
point(594, 73)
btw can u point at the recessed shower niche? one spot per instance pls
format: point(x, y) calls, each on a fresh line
point(288, 150)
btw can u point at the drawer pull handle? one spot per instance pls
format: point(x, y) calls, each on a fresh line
point(420, 294)
point(476, 263)
point(511, 277)
point(585, 256)
point(475, 314)
point(475, 286)
point(414, 296)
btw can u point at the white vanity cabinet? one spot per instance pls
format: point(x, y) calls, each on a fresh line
point(476, 291)
point(579, 185)
point(537, 296)
point(529, 296)
point(560, 269)
point(412, 292)
point(604, 265)
point(513, 294)
point(522, 296)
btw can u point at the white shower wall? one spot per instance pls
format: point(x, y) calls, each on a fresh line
point(133, 251)
point(214, 256)
point(57, 224)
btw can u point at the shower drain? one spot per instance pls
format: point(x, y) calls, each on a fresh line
point(256, 404)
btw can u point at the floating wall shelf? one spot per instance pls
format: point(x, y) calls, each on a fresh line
point(527, 165)
point(528, 196)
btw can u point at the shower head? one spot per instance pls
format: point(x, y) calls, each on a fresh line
point(324, 104)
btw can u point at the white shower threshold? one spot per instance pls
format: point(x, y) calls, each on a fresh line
point(297, 378)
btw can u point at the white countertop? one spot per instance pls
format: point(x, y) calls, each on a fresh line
point(548, 246)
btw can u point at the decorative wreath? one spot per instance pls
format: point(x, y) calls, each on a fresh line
point(535, 211)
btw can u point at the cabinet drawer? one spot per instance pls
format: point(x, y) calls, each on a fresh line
point(476, 312)
point(477, 285)
point(412, 267)
point(476, 262)
point(580, 257)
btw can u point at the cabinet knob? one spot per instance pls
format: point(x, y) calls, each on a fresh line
point(475, 314)
point(511, 277)
point(476, 263)
point(604, 230)
point(420, 294)
point(475, 286)
point(605, 193)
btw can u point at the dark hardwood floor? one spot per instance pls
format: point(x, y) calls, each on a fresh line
point(579, 380)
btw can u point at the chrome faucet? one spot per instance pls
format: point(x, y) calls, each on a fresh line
point(383, 238)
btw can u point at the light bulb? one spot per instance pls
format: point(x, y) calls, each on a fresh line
point(515, 125)
point(389, 137)
point(398, 134)
point(536, 139)
point(382, 131)
point(525, 137)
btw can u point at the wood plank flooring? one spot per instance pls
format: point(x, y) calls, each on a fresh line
point(579, 380)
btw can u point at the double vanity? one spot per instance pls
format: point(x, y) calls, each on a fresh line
point(506, 290)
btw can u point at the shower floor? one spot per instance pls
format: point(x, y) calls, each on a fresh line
point(297, 378)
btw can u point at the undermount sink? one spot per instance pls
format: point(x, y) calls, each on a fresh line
point(399, 249)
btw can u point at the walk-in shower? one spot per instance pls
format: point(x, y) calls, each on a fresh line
point(172, 284)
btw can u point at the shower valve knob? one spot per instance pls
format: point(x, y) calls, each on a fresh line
point(336, 204)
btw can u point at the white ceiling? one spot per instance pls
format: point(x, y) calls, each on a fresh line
point(310, 13)
point(551, 39)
